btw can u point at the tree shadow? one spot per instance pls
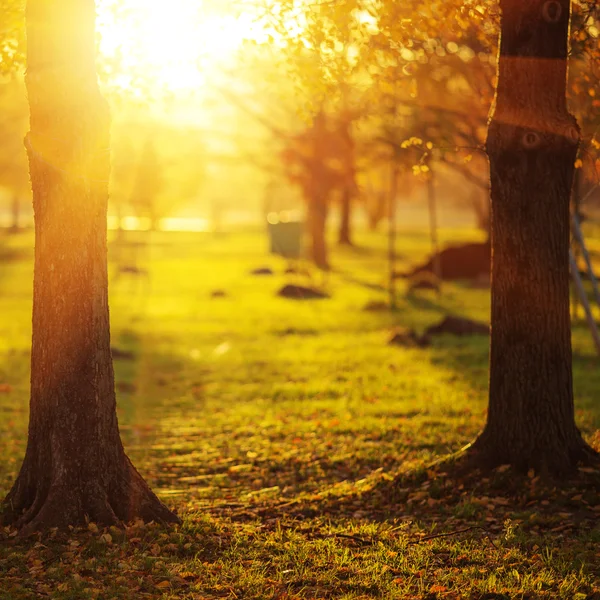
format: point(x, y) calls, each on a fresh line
point(448, 500)
point(348, 277)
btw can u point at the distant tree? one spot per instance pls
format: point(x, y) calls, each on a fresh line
point(75, 466)
point(348, 185)
point(316, 160)
point(305, 158)
point(532, 145)
point(323, 63)
point(14, 172)
point(148, 184)
point(122, 176)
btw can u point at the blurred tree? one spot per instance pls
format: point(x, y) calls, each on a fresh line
point(305, 160)
point(323, 63)
point(316, 160)
point(75, 466)
point(12, 36)
point(14, 171)
point(348, 185)
point(156, 168)
point(122, 174)
point(532, 145)
point(148, 184)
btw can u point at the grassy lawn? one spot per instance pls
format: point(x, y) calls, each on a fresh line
point(294, 441)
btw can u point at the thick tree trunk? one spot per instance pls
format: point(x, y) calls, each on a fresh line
point(75, 466)
point(532, 144)
point(345, 238)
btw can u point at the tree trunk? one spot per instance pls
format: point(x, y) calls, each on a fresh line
point(345, 215)
point(75, 466)
point(532, 144)
point(317, 191)
point(349, 175)
point(317, 221)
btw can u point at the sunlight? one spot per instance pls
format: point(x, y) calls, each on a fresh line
point(171, 47)
point(179, 224)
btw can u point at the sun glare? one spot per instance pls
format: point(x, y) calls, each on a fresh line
point(172, 45)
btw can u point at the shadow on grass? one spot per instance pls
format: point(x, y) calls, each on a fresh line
point(447, 502)
point(348, 277)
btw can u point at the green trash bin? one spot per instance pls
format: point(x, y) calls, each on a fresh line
point(285, 236)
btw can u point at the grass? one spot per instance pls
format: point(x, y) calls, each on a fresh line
point(295, 442)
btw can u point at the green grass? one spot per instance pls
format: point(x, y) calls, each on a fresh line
point(294, 441)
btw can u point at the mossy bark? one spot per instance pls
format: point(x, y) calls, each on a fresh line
point(532, 145)
point(75, 467)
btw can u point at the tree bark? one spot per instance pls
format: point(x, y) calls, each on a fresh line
point(532, 145)
point(75, 467)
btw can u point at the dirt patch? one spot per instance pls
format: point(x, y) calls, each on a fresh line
point(262, 271)
point(299, 292)
point(376, 306)
point(297, 271)
point(458, 326)
point(468, 261)
point(296, 331)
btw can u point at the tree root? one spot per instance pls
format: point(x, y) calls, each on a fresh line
point(483, 456)
point(121, 498)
